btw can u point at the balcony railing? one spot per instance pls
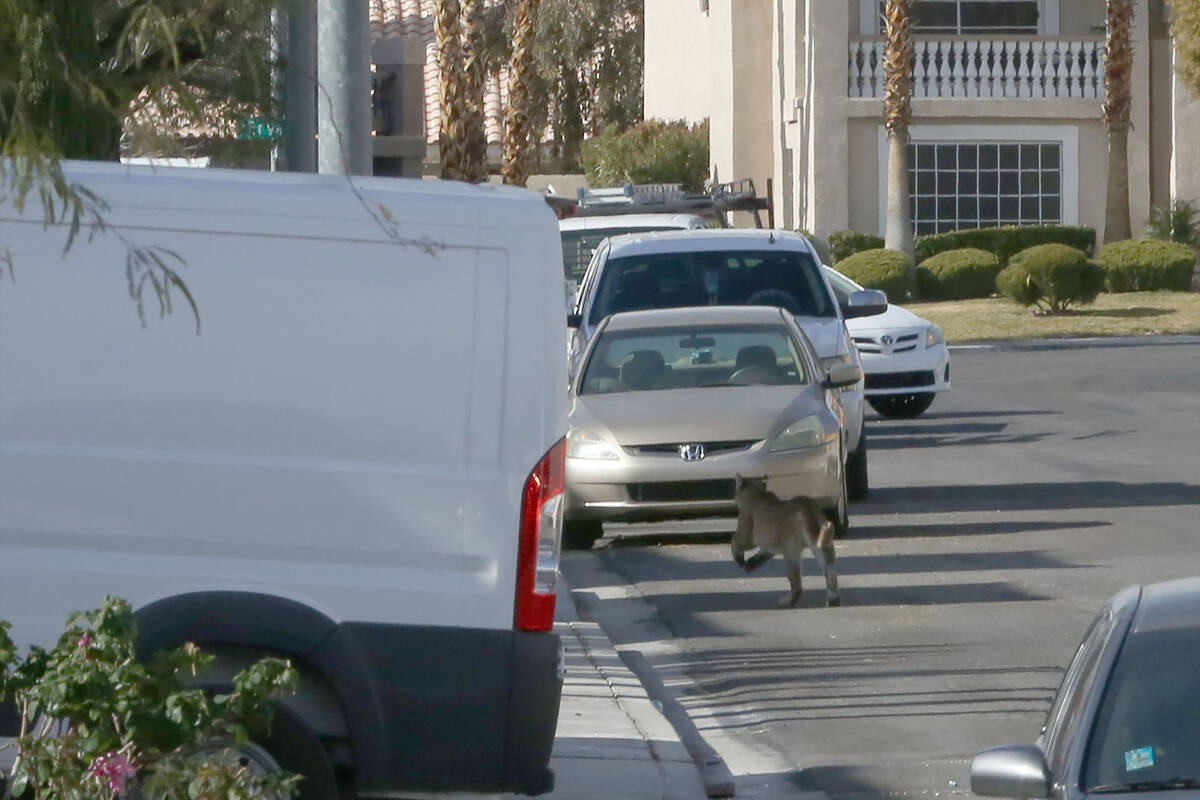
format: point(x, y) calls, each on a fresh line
point(1033, 68)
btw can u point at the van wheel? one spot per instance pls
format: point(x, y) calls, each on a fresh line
point(581, 535)
point(857, 485)
point(287, 746)
point(901, 406)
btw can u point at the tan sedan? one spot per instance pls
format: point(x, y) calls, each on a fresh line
point(669, 405)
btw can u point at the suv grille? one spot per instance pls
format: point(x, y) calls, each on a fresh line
point(681, 491)
point(900, 380)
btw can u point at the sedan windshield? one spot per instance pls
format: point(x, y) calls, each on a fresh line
point(784, 278)
point(1147, 732)
point(676, 358)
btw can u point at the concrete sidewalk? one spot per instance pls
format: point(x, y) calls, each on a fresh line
point(612, 741)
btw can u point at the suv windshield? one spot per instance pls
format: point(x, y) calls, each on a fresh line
point(1146, 731)
point(783, 278)
point(680, 358)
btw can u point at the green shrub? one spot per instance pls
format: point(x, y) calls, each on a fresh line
point(888, 270)
point(653, 151)
point(958, 274)
point(1005, 242)
point(1176, 222)
point(843, 244)
point(1142, 265)
point(1052, 277)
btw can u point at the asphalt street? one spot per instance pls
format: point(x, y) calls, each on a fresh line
point(997, 524)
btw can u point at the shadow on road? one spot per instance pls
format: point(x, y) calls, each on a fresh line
point(966, 528)
point(1034, 496)
point(690, 604)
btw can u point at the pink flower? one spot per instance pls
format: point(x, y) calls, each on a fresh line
point(116, 767)
point(85, 640)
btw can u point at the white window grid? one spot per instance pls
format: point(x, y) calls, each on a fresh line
point(971, 184)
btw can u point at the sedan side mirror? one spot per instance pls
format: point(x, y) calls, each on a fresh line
point(865, 303)
point(842, 375)
point(1018, 771)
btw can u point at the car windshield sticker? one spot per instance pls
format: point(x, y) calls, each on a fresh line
point(1140, 758)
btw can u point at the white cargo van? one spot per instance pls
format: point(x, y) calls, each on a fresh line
point(356, 462)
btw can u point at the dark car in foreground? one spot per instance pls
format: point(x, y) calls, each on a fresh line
point(1126, 719)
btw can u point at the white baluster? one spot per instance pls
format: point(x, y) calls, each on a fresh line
point(1010, 69)
point(1039, 69)
point(1021, 53)
point(876, 56)
point(972, 57)
point(920, 53)
point(1074, 87)
point(987, 55)
point(854, 89)
point(958, 86)
point(1090, 73)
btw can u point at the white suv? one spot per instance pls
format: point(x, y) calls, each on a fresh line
point(732, 267)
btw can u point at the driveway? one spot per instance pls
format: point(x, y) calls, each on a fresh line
point(998, 522)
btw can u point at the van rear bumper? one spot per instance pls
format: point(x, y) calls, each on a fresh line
point(450, 709)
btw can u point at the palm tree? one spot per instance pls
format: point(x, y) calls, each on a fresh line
point(452, 141)
point(1118, 94)
point(518, 131)
point(474, 79)
point(897, 113)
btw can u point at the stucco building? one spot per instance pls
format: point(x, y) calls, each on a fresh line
point(1007, 122)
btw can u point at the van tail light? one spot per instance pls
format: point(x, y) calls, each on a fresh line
point(540, 541)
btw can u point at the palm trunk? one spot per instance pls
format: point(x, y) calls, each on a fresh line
point(1118, 98)
point(518, 131)
point(452, 141)
point(474, 79)
point(897, 113)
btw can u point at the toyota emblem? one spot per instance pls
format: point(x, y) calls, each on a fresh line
point(887, 338)
point(691, 452)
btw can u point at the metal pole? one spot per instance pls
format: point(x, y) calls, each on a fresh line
point(300, 109)
point(344, 87)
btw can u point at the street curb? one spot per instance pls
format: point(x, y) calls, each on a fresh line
point(1080, 343)
point(714, 774)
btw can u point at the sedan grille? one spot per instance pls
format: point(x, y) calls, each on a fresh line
point(897, 344)
point(710, 448)
point(681, 491)
point(900, 380)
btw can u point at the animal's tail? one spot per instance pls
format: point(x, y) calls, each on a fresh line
point(825, 541)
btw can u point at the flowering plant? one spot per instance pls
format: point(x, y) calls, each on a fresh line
point(98, 724)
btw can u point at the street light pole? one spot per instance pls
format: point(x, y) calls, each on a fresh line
point(344, 87)
point(300, 80)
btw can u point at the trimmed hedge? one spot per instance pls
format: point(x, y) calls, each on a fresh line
point(888, 270)
point(1052, 277)
point(843, 244)
point(958, 274)
point(1143, 265)
point(1007, 241)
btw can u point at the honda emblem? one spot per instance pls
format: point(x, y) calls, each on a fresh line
point(691, 452)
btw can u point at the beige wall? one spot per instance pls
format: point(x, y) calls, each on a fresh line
point(1078, 17)
point(1185, 159)
point(678, 62)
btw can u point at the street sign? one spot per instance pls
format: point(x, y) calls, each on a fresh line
point(259, 128)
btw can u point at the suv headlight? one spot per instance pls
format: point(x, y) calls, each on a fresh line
point(806, 432)
point(583, 443)
point(934, 336)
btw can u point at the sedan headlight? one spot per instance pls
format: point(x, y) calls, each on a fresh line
point(583, 443)
point(934, 336)
point(806, 432)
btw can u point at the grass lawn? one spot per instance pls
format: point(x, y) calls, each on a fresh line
point(1128, 314)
